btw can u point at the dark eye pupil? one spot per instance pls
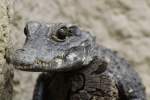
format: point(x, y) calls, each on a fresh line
point(62, 33)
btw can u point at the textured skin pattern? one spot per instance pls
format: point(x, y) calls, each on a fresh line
point(75, 67)
point(84, 84)
point(128, 82)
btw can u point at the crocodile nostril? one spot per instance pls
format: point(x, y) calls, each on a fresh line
point(20, 50)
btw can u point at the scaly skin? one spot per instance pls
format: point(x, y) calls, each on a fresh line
point(74, 66)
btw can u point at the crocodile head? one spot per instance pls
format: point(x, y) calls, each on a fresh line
point(54, 47)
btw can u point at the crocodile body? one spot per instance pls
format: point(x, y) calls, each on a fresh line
point(74, 67)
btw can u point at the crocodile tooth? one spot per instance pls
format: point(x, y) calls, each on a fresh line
point(43, 64)
point(39, 62)
point(49, 64)
point(36, 62)
point(46, 65)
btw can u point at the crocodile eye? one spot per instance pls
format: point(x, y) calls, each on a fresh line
point(60, 34)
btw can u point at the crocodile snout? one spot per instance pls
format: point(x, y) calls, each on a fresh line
point(24, 57)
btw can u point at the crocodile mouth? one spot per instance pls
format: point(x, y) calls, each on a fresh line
point(28, 60)
point(39, 65)
point(32, 68)
point(53, 66)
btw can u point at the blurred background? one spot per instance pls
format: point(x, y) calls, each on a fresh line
point(122, 25)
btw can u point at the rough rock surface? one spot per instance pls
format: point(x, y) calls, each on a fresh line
point(122, 25)
point(6, 72)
